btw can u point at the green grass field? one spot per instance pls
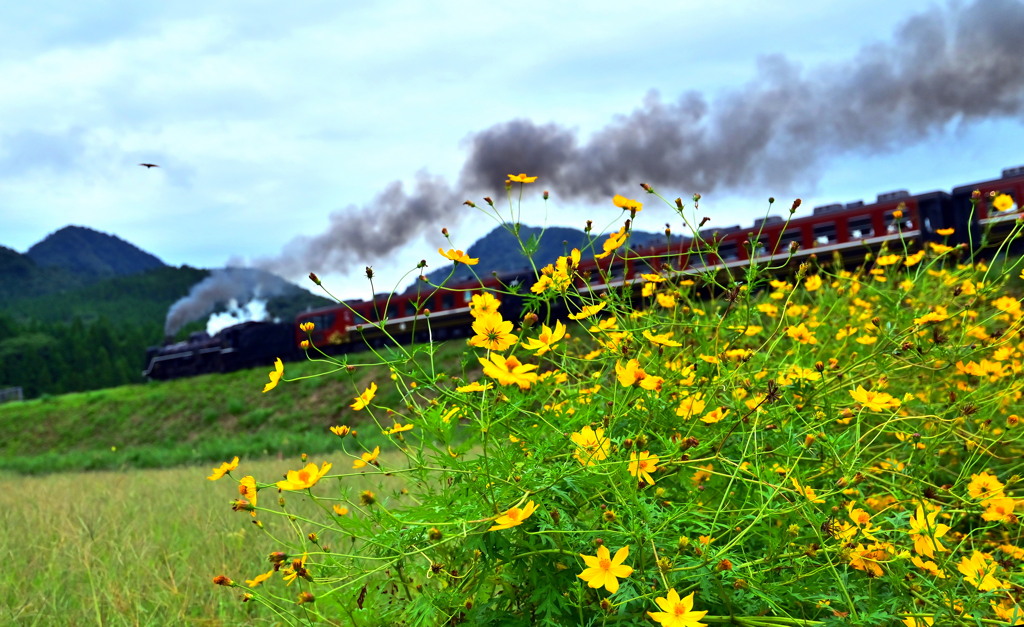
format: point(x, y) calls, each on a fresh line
point(137, 547)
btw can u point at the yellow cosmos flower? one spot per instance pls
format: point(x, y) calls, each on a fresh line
point(587, 311)
point(547, 338)
point(811, 284)
point(913, 259)
point(476, 386)
point(677, 612)
point(458, 256)
point(275, 375)
point(509, 371)
point(247, 490)
point(614, 241)
point(521, 178)
point(340, 511)
point(492, 333)
point(483, 304)
point(874, 401)
point(513, 517)
point(887, 260)
point(367, 458)
point(667, 301)
point(258, 579)
point(305, 478)
point(591, 445)
point(869, 558)
point(925, 533)
point(806, 491)
point(690, 406)
point(979, 571)
point(715, 415)
point(398, 428)
point(341, 430)
point(933, 316)
point(1000, 510)
point(801, 334)
point(945, 232)
point(982, 486)
point(662, 339)
point(364, 399)
point(1002, 202)
point(630, 374)
point(223, 469)
point(641, 465)
point(603, 570)
point(627, 203)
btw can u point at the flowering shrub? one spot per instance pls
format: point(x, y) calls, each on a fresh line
point(813, 444)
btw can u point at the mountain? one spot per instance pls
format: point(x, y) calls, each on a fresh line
point(91, 254)
point(500, 251)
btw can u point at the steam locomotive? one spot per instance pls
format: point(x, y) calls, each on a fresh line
point(423, 313)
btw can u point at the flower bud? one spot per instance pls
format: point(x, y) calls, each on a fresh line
point(488, 200)
point(222, 580)
point(470, 203)
point(444, 231)
point(647, 188)
point(369, 272)
point(314, 278)
point(546, 195)
point(796, 205)
point(696, 198)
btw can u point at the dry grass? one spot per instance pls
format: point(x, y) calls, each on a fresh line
point(130, 548)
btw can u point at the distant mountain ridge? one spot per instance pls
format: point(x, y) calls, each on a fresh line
point(91, 254)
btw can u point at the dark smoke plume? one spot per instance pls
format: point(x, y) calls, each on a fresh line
point(950, 66)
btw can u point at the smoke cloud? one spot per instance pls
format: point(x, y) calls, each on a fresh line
point(949, 66)
point(225, 287)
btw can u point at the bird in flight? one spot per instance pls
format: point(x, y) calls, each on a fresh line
point(149, 165)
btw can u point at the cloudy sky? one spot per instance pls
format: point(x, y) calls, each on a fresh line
point(327, 136)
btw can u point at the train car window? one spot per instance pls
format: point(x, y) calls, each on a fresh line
point(824, 233)
point(447, 300)
point(393, 310)
point(860, 227)
point(467, 296)
point(410, 308)
point(728, 251)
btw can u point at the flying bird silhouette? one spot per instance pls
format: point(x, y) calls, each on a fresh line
point(149, 165)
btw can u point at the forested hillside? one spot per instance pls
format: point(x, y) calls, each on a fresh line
point(79, 309)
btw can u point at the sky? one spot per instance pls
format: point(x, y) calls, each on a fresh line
point(328, 136)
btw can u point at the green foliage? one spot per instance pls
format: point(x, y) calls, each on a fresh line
point(803, 444)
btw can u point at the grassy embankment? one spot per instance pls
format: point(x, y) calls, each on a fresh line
point(195, 420)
